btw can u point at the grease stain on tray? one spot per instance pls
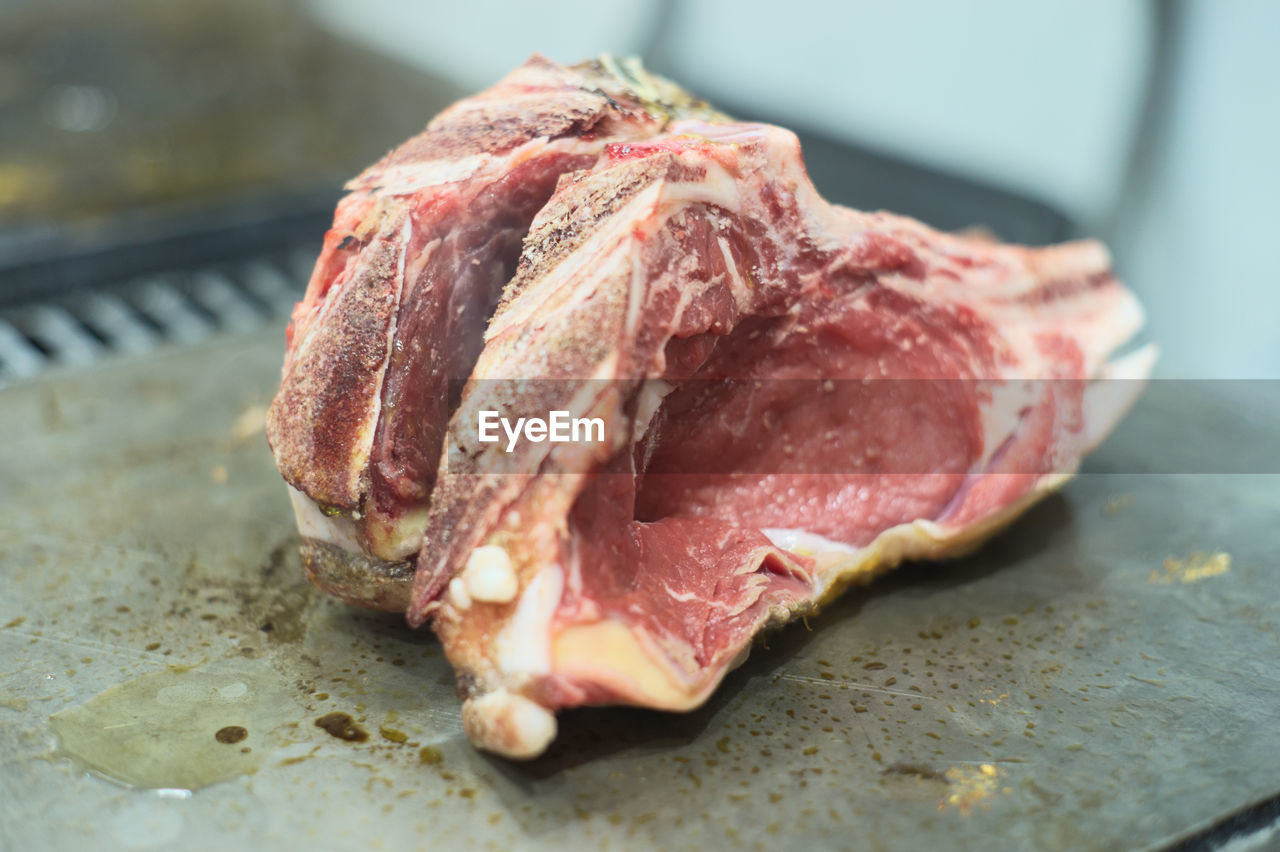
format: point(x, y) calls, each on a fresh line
point(1199, 565)
point(342, 726)
point(231, 734)
point(972, 786)
point(1117, 505)
point(172, 729)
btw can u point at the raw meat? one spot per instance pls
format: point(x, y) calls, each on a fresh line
point(394, 313)
point(792, 397)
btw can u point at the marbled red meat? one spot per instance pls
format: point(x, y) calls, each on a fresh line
point(793, 396)
point(410, 271)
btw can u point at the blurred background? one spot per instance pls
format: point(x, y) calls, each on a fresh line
point(167, 169)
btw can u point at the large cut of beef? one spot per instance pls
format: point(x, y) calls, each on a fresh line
point(779, 397)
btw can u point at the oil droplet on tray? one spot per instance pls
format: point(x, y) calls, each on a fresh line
point(1200, 565)
point(342, 726)
point(231, 734)
point(393, 735)
point(171, 729)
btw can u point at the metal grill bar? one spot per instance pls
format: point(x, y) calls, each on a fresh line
point(19, 358)
point(118, 323)
point(139, 315)
point(57, 332)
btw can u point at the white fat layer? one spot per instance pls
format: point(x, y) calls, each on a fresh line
point(509, 724)
point(411, 177)
point(914, 540)
point(1106, 401)
point(652, 393)
point(1002, 416)
point(614, 244)
point(717, 188)
point(833, 558)
point(364, 443)
point(608, 247)
point(736, 284)
point(747, 567)
point(404, 178)
point(458, 595)
point(781, 148)
point(805, 543)
point(524, 645)
point(1114, 392)
point(489, 576)
point(1100, 337)
point(340, 531)
point(371, 423)
point(397, 540)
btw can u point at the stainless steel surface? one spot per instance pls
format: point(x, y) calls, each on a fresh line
point(1076, 684)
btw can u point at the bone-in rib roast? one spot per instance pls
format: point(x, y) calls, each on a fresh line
point(781, 396)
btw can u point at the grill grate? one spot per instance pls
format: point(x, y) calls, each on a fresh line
point(139, 315)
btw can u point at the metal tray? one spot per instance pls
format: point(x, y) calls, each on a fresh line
point(1085, 681)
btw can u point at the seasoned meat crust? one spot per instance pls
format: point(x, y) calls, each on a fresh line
point(791, 396)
